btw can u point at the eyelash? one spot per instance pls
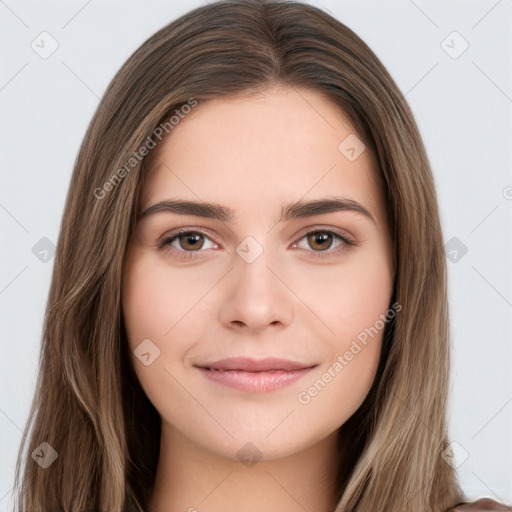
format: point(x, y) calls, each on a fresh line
point(164, 243)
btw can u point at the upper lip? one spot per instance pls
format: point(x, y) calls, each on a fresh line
point(256, 365)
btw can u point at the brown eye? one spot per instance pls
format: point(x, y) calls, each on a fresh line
point(320, 240)
point(191, 241)
point(186, 242)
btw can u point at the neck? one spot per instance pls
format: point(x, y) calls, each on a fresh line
point(190, 478)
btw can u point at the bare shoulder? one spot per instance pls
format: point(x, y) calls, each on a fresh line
point(482, 504)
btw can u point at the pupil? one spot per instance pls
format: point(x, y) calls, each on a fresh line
point(194, 243)
point(320, 238)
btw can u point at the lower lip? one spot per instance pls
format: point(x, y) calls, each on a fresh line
point(255, 382)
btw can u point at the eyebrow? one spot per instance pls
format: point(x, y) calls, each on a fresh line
point(297, 210)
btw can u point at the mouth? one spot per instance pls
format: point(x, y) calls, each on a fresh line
point(255, 376)
point(256, 365)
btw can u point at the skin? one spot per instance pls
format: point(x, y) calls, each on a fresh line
point(254, 154)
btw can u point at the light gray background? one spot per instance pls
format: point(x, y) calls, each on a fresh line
point(463, 107)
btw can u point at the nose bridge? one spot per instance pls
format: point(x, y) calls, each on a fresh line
point(253, 276)
point(252, 267)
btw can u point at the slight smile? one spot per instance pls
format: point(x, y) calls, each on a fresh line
point(255, 376)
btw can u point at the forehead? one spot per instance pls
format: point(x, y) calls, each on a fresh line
point(274, 147)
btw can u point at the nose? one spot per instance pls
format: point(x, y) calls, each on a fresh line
point(256, 295)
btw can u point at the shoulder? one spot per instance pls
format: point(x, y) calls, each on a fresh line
point(481, 504)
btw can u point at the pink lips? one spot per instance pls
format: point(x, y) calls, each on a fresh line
point(256, 376)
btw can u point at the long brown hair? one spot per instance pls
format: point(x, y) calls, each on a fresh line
point(87, 395)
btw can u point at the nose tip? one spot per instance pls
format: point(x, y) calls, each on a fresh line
point(255, 297)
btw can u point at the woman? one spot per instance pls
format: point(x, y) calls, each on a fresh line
point(201, 349)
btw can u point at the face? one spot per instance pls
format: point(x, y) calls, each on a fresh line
point(310, 287)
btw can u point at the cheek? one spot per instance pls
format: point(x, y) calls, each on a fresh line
point(167, 306)
point(157, 299)
point(146, 306)
point(366, 293)
point(351, 300)
point(158, 304)
point(349, 297)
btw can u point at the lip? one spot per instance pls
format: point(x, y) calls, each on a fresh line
point(255, 376)
point(256, 365)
